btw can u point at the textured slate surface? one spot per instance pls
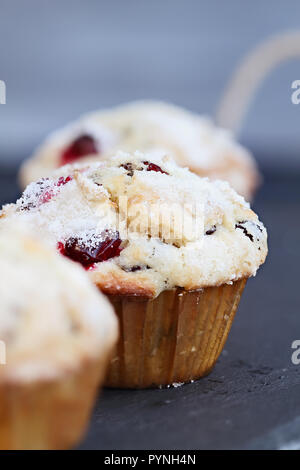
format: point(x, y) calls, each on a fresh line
point(252, 398)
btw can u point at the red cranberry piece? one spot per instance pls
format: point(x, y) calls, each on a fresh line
point(90, 252)
point(61, 248)
point(80, 147)
point(62, 181)
point(154, 167)
point(91, 267)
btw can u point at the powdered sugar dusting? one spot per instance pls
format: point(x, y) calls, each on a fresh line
point(129, 198)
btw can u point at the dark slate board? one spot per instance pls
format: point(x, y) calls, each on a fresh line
point(252, 398)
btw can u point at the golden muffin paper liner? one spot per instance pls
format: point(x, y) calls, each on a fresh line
point(52, 414)
point(174, 338)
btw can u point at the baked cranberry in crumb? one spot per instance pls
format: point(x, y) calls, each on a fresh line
point(80, 147)
point(62, 181)
point(90, 252)
point(154, 167)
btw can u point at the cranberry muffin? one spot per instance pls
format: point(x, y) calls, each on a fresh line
point(172, 251)
point(192, 140)
point(57, 334)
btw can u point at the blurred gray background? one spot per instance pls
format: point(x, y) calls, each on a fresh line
point(60, 58)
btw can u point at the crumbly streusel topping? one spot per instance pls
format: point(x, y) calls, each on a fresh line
point(52, 318)
point(141, 224)
point(192, 140)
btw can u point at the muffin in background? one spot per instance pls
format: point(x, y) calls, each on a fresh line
point(150, 126)
point(58, 332)
point(172, 251)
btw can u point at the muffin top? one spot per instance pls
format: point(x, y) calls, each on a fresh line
point(52, 318)
point(141, 224)
point(192, 140)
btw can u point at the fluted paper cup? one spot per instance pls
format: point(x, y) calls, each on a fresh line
point(174, 338)
point(49, 414)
